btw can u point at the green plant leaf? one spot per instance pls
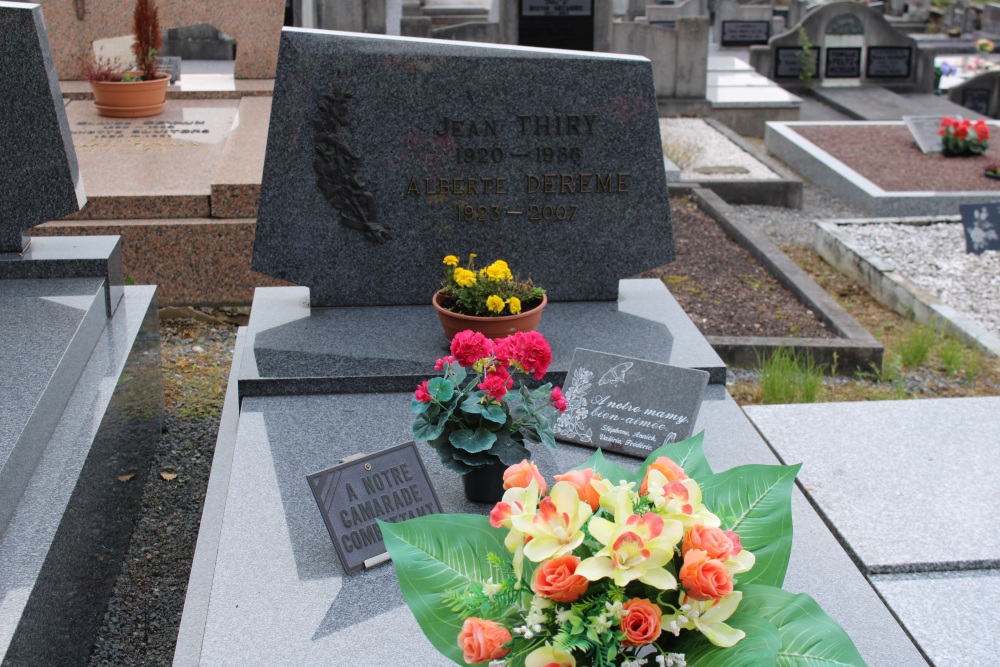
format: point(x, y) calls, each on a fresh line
point(419, 407)
point(472, 406)
point(473, 441)
point(759, 647)
point(458, 373)
point(688, 454)
point(755, 501)
point(441, 390)
point(608, 470)
point(808, 635)
point(436, 555)
point(495, 413)
point(426, 429)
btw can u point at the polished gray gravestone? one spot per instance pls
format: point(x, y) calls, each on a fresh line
point(39, 176)
point(385, 154)
point(267, 586)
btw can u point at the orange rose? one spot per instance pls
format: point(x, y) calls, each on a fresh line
point(556, 579)
point(580, 479)
point(482, 640)
point(641, 622)
point(712, 541)
point(670, 470)
point(705, 578)
point(521, 475)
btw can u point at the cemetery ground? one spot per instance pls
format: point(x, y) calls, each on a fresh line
point(140, 626)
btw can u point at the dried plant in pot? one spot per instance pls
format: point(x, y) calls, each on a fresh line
point(134, 91)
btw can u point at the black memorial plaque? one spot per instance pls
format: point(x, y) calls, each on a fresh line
point(889, 62)
point(391, 485)
point(629, 406)
point(170, 65)
point(788, 62)
point(745, 33)
point(925, 132)
point(981, 223)
point(976, 99)
point(843, 63)
point(557, 24)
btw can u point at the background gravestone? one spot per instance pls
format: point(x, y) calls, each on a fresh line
point(39, 177)
point(386, 154)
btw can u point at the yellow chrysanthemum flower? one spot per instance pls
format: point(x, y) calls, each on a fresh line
point(494, 303)
point(451, 260)
point(499, 270)
point(514, 304)
point(464, 277)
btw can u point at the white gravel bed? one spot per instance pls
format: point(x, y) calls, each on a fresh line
point(703, 154)
point(934, 258)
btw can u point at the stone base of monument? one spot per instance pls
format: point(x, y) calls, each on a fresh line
point(266, 583)
point(83, 406)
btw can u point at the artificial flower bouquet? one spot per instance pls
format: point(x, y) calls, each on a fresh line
point(960, 136)
point(669, 566)
point(473, 416)
point(489, 292)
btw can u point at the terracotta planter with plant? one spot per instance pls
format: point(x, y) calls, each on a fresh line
point(131, 92)
point(490, 300)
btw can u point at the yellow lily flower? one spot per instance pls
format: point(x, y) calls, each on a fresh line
point(549, 655)
point(557, 527)
point(635, 547)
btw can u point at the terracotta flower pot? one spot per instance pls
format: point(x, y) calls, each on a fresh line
point(491, 327)
point(130, 99)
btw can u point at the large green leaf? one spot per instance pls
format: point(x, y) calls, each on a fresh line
point(755, 501)
point(473, 441)
point(808, 636)
point(435, 555)
point(608, 470)
point(758, 649)
point(688, 454)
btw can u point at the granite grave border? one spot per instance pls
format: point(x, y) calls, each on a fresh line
point(854, 346)
point(786, 190)
point(784, 142)
point(832, 241)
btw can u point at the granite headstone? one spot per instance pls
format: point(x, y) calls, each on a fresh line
point(385, 154)
point(925, 132)
point(991, 19)
point(981, 223)
point(626, 405)
point(39, 177)
point(976, 99)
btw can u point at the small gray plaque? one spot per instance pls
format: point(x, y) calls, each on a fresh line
point(391, 485)
point(925, 132)
point(556, 8)
point(628, 405)
point(745, 33)
point(788, 62)
point(889, 62)
point(982, 227)
point(843, 63)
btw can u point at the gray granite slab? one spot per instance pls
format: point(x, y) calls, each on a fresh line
point(272, 591)
point(951, 615)
point(70, 257)
point(62, 549)
point(39, 176)
point(295, 349)
point(49, 329)
point(385, 154)
point(881, 473)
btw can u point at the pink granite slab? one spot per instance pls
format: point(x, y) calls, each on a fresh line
point(193, 262)
point(156, 167)
point(73, 25)
point(236, 181)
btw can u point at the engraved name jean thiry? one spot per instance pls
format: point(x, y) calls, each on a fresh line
point(337, 169)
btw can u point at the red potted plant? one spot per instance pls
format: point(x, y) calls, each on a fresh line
point(136, 91)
